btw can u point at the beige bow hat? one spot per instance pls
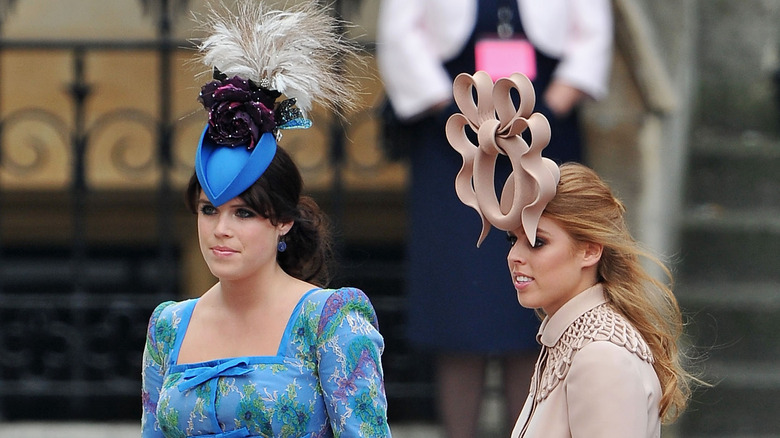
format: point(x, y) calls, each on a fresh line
point(488, 110)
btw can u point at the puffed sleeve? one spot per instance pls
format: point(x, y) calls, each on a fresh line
point(414, 38)
point(588, 51)
point(158, 337)
point(609, 393)
point(349, 348)
point(577, 32)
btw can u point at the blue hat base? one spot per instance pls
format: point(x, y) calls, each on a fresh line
point(225, 172)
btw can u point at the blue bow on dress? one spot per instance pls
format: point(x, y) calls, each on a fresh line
point(195, 376)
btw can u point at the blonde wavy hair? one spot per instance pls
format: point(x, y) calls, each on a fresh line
point(586, 208)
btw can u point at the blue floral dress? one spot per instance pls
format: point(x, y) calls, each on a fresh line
point(325, 381)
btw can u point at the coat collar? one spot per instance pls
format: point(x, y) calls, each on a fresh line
point(552, 328)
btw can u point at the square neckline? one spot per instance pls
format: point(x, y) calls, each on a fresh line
point(186, 316)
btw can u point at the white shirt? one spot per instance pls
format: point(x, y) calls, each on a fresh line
point(415, 37)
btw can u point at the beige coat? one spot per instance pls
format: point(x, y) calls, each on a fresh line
point(594, 377)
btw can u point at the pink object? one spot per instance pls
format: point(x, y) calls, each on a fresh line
point(502, 57)
point(488, 109)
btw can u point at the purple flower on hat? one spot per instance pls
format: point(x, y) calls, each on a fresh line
point(239, 111)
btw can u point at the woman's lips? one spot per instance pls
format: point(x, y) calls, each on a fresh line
point(521, 280)
point(222, 250)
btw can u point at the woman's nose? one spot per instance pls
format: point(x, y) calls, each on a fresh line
point(517, 254)
point(222, 226)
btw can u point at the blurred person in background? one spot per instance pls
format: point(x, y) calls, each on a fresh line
point(459, 306)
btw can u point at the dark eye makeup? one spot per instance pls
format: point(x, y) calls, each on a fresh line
point(512, 239)
point(207, 209)
point(245, 213)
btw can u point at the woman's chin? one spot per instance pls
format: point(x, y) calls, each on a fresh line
point(525, 302)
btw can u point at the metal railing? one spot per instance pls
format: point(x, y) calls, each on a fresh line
point(73, 311)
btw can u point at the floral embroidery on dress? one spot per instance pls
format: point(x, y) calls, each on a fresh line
point(366, 408)
point(162, 333)
point(325, 382)
point(339, 306)
point(291, 413)
point(304, 335)
point(168, 418)
point(252, 413)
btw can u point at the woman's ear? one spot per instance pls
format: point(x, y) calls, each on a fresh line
point(591, 253)
point(284, 227)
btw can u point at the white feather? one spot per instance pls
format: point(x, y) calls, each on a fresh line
point(298, 52)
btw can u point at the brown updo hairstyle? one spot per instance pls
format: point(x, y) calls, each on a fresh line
point(276, 195)
point(585, 207)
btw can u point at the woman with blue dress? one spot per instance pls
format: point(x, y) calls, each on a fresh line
point(267, 351)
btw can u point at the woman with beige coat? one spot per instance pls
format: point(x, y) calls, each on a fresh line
point(609, 364)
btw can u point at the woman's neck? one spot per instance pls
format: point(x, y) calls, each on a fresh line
point(259, 291)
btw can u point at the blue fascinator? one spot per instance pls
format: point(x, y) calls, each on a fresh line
point(239, 140)
point(225, 172)
point(258, 55)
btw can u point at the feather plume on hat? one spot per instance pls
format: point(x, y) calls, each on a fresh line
point(297, 52)
point(256, 55)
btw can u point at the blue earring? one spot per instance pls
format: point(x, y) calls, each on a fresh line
point(282, 246)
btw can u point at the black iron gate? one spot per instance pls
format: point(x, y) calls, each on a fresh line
point(72, 311)
point(73, 307)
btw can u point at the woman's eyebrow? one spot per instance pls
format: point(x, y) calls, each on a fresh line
point(542, 232)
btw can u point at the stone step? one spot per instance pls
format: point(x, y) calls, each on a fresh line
point(728, 245)
point(728, 283)
point(744, 402)
point(734, 171)
point(735, 333)
point(732, 321)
